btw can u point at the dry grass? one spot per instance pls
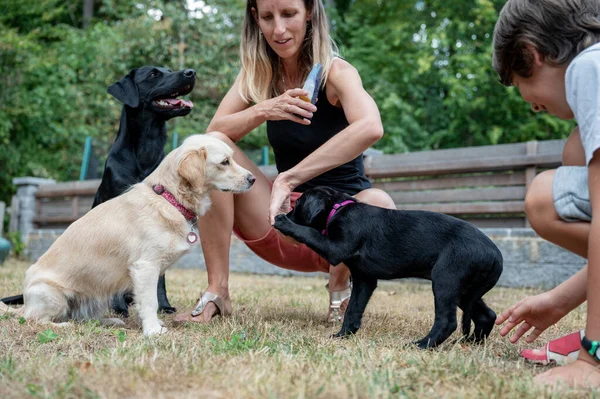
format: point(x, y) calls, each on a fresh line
point(275, 345)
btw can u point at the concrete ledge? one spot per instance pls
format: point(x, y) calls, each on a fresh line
point(529, 261)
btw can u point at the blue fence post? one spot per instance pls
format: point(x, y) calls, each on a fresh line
point(87, 152)
point(175, 140)
point(265, 156)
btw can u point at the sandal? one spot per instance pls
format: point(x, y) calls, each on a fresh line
point(214, 298)
point(204, 300)
point(560, 351)
point(338, 302)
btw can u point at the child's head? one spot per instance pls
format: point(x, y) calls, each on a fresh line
point(557, 30)
point(536, 40)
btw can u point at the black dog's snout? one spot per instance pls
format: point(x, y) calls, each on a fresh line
point(188, 73)
point(251, 179)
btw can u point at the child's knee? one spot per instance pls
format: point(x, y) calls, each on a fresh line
point(539, 201)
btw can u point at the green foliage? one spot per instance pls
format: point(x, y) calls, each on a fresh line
point(121, 336)
point(428, 66)
point(17, 244)
point(47, 336)
point(426, 63)
point(238, 343)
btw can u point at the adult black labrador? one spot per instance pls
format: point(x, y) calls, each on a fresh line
point(149, 96)
point(376, 243)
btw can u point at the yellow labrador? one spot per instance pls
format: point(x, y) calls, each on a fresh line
point(127, 242)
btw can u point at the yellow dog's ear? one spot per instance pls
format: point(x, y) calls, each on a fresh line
point(192, 167)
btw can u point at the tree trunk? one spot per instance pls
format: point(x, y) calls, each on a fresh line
point(88, 12)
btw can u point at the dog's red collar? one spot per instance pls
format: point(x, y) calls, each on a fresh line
point(160, 190)
point(335, 208)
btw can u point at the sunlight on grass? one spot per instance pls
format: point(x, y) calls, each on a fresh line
point(276, 345)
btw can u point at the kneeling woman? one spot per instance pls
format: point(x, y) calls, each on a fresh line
point(314, 145)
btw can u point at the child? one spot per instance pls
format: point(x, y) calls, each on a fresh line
point(550, 50)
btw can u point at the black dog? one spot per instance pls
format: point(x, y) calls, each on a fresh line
point(376, 243)
point(149, 96)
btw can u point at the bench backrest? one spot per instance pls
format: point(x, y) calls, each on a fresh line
point(485, 185)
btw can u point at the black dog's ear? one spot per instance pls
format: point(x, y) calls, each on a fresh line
point(125, 90)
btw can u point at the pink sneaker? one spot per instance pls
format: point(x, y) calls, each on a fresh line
point(560, 351)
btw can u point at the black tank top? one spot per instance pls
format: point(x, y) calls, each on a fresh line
point(292, 142)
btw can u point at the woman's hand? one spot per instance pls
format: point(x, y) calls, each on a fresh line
point(280, 196)
point(289, 106)
point(538, 312)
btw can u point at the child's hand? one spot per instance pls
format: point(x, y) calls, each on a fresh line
point(538, 312)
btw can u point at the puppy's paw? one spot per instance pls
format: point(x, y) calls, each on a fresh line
point(167, 309)
point(284, 224)
point(340, 335)
point(425, 343)
point(281, 220)
point(154, 330)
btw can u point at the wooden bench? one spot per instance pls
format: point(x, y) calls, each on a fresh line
point(485, 185)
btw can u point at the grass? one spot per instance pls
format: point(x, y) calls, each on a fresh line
point(275, 345)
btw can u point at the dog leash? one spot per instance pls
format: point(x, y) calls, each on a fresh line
point(192, 237)
point(335, 208)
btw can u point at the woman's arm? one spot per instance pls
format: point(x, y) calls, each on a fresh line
point(364, 129)
point(236, 118)
point(344, 85)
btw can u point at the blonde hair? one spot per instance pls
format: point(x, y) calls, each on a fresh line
point(260, 70)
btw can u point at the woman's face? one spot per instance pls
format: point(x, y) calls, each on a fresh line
point(283, 24)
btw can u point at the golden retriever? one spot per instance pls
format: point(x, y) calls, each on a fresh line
point(128, 241)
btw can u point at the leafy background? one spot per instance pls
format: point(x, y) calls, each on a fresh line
point(426, 63)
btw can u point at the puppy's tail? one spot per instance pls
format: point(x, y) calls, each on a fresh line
point(466, 319)
point(13, 300)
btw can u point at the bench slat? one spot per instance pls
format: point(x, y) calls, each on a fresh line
point(45, 220)
point(389, 168)
point(67, 189)
point(462, 195)
point(498, 179)
point(469, 208)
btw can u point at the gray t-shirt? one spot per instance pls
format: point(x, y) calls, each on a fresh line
point(582, 84)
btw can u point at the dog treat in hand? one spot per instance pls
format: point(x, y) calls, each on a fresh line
point(312, 83)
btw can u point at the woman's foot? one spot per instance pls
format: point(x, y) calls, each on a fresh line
point(579, 374)
point(209, 305)
point(338, 303)
point(560, 351)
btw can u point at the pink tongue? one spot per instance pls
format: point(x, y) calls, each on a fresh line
point(178, 102)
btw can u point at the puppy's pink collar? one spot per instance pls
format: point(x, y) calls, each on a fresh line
point(335, 208)
point(160, 190)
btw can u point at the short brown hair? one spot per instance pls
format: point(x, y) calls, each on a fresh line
point(557, 29)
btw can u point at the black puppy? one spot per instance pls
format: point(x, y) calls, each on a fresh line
point(376, 243)
point(149, 96)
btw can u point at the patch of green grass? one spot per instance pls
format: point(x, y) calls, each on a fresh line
point(46, 336)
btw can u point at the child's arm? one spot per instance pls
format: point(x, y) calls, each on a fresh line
point(543, 310)
point(592, 329)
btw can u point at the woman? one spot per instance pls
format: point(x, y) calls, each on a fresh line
point(313, 145)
